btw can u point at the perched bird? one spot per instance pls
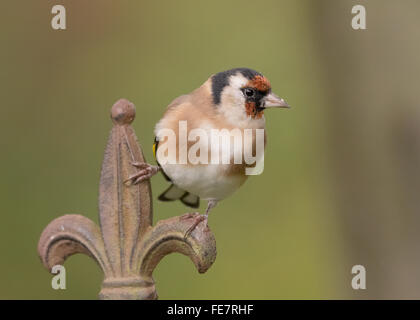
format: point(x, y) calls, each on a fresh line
point(232, 99)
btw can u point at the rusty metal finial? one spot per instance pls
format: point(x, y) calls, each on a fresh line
point(126, 245)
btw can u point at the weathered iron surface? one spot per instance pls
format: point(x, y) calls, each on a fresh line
point(126, 246)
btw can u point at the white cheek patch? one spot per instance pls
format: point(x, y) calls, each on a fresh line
point(233, 101)
point(232, 97)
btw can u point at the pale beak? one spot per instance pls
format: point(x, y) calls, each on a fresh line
point(273, 101)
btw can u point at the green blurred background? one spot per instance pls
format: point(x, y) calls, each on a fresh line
point(341, 178)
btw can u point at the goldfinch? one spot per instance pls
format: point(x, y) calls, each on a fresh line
point(234, 100)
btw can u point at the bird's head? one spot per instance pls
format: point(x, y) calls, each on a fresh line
point(243, 93)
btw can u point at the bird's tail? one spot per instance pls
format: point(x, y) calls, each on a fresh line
point(174, 193)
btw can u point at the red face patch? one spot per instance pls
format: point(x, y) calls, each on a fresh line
point(260, 83)
point(252, 111)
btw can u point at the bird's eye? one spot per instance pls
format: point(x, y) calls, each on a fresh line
point(249, 92)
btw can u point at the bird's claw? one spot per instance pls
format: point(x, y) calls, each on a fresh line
point(147, 172)
point(198, 218)
point(139, 164)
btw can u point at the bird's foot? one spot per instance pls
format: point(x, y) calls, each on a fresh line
point(147, 171)
point(197, 219)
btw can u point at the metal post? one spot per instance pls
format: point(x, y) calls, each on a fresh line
point(126, 245)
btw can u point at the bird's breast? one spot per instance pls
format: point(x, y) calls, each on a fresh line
point(211, 181)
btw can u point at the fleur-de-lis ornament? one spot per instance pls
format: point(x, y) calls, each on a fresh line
point(126, 245)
